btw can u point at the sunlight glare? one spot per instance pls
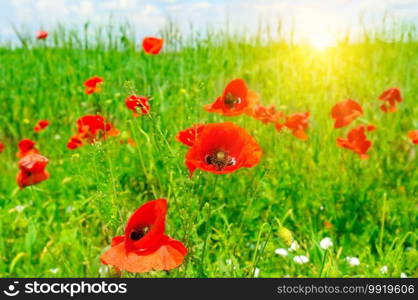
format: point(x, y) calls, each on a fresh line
point(321, 41)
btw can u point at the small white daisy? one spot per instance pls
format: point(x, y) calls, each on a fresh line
point(54, 270)
point(256, 272)
point(384, 269)
point(69, 209)
point(281, 251)
point(228, 262)
point(19, 208)
point(300, 259)
point(294, 246)
point(403, 275)
point(352, 261)
point(326, 243)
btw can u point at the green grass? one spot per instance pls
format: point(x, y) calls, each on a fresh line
point(229, 223)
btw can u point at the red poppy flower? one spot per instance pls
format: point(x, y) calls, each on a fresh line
point(152, 45)
point(32, 170)
point(91, 128)
point(75, 141)
point(131, 142)
point(413, 136)
point(1, 147)
point(26, 147)
point(391, 96)
point(91, 124)
point(345, 112)
point(145, 247)
point(328, 225)
point(41, 35)
point(266, 114)
point(357, 141)
point(235, 100)
point(93, 85)
point(297, 123)
point(189, 135)
point(222, 148)
point(138, 104)
point(110, 131)
point(41, 125)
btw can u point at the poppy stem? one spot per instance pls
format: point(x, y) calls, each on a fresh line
point(34, 198)
point(207, 235)
point(207, 228)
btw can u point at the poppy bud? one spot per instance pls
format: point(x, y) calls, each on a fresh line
point(285, 235)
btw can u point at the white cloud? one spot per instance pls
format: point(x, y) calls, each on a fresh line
point(56, 9)
point(86, 8)
point(118, 4)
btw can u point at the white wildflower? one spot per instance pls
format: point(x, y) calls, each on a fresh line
point(403, 275)
point(300, 259)
point(384, 269)
point(19, 208)
point(352, 261)
point(281, 251)
point(54, 270)
point(69, 209)
point(326, 243)
point(294, 246)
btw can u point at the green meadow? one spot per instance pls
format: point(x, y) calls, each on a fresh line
point(230, 223)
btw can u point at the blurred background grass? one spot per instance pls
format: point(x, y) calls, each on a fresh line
point(229, 223)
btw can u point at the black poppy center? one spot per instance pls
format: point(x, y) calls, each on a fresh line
point(220, 159)
point(139, 104)
point(138, 234)
point(230, 100)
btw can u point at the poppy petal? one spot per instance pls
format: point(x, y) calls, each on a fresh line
point(189, 135)
point(391, 96)
point(149, 222)
point(345, 112)
point(169, 256)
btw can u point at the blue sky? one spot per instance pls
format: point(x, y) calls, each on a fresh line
point(307, 17)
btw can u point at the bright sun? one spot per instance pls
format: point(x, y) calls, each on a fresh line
point(321, 41)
